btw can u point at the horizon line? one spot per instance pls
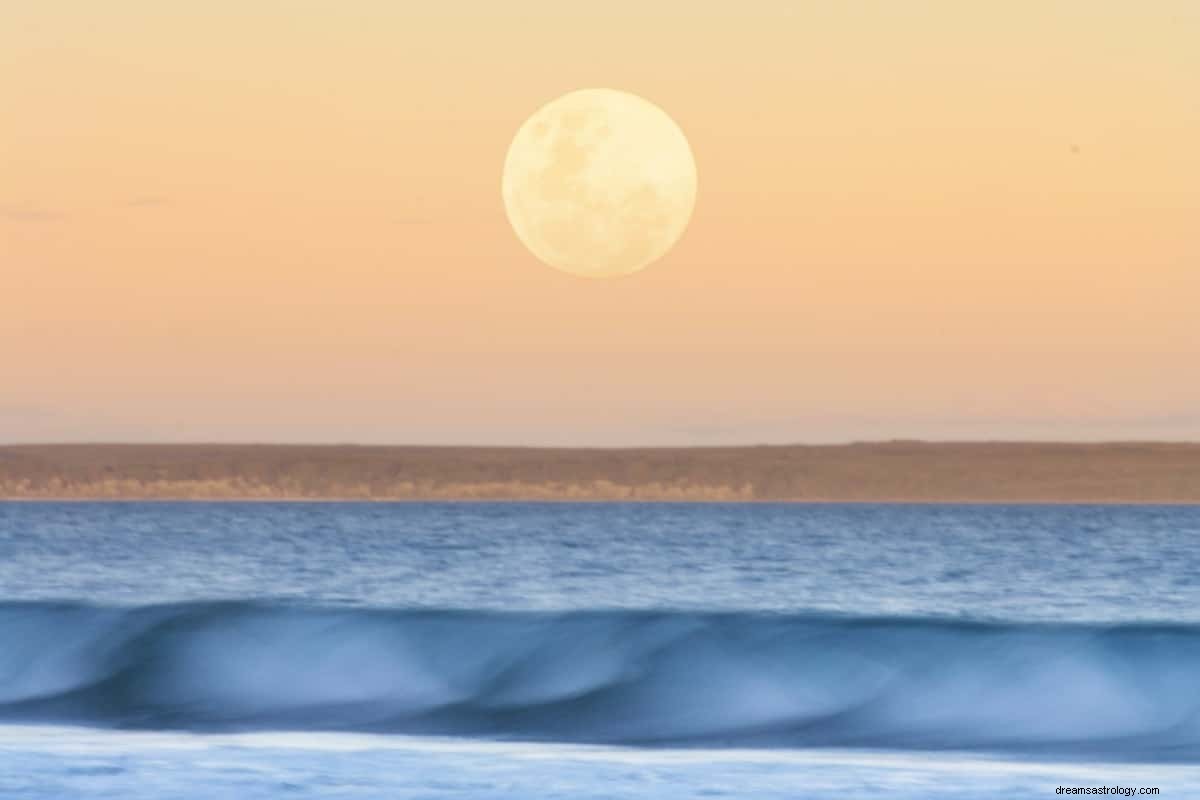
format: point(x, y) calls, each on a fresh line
point(739, 446)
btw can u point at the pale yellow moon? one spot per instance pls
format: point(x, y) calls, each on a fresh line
point(599, 183)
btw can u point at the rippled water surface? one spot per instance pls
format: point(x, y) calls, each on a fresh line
point(589, 650)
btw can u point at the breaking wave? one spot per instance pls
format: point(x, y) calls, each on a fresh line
point(636, 678)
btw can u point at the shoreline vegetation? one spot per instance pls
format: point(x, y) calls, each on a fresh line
point(897, 471)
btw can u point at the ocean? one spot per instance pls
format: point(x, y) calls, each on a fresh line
point(564, 650)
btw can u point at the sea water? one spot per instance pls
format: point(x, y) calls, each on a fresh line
point(515, 650)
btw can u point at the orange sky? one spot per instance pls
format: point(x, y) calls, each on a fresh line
point(934, 219)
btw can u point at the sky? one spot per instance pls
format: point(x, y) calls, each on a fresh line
point(282, 222)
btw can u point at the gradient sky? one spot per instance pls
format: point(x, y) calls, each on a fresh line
point(281, 221)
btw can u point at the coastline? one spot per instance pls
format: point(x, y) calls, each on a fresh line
point(902, 472)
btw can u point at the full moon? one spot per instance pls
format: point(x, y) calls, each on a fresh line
point(599, 183)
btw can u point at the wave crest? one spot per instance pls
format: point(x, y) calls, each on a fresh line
point(608, 677)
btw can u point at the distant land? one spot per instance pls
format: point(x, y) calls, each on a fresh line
point(899, 471)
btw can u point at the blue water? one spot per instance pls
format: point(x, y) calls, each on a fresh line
point(576, 650)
